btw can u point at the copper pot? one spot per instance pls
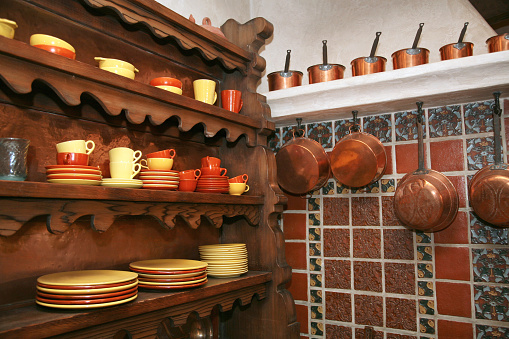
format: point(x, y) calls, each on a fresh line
point(456, 50)
point(498, 43)
point(410, 57)
point(281, 80)
point(358, 159)
point(324, 73)
point(489, 188)
point(425, 199)
point(367, 65)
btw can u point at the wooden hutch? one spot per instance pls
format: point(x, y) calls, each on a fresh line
point(46, 228)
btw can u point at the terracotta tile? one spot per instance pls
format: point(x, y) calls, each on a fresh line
point(400, 278)
point(294, 226)
point(401, 314)
point(506, 123)
point(296, 255)
point(338, 306)
point(400, 336)
point(452, 263)
point(295, 203)
point(337, 274)
point(460, 185)
point(336, 211)
point(406, 158)
point(366, 243)
point(367, 276)
point(380, 126)
point(298, 286)
point(302, 317)
point(360, 333)
point(339, 332)
point(452, 329)
point(398, 244)
point(453, 299)
point(456, 233)
point(369, 310)
point(491, 302)
point(388, 215)
point(491, 265)
point(445, 121)
point(447, 155)
point(388, 166)
point(321, 132)
point(365, 211)
point(336, 242)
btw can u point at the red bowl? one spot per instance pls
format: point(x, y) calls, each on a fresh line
point(58, 50)
point(166, 81)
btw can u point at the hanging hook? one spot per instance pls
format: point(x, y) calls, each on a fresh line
point(496, 106)
point(355, 126)
point(300, 130)
point(419, 111)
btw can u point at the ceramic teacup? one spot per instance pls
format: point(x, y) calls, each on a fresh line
point(213, 171)
point(124, 170)
point(205, 91)
point(239, 179)
point(172, 89)
point(237, 188)
point(124, 154)
point(187, 185)
point(76, 146)
point(72, 159)
point(190, 174)
point(167, 153)
point(210, 161)
point(7, 28)
point(231, 100)
point(157, 164)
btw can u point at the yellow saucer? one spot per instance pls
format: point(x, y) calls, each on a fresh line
point(87, 277)
point(168, 264)
point(88, 291)
point(75, 182)
point(170, 276)
point(113, 303)
point(178, 283)
point(233, 245)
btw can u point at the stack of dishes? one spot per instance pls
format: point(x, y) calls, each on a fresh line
point(213, 184)
point(224, 260)
point(170, 274)
point(160, 180)
point(86, 289)
point(122, 183)
point(73, 174)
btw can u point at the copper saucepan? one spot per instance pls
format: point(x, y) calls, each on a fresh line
point(358, 159)
point(371, 64)
point(410, 57)
point(286, 78)
point(458, 50)
point(302, 166)
point(498, 43)
point(425, 199)
point(325, 72)
point(489, 188)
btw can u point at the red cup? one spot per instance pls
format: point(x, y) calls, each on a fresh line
point(187, 185)
point(213, 171)
point(210, 162)
point(58, 50)
point(231, 100)
point(166, 81)
point(239, 179)
point(190, 174)
point(167, 153)
point(66, 158)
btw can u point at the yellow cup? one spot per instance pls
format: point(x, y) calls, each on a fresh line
point(76, 146)
point(124, 154)
point(44, 39)
point(204, 90)
point(237, 188)
point(173, 89)
point(124, 169)
point(157, 164)
point(7, 28)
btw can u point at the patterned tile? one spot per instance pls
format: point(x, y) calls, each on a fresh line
point(321, 132)
point(316, 312)
point(388, 215)
point(387, 185)
point(274, 140)
point(315, 264)
point(328, 188)
point(316, 296)
point(478, 117)
point(338, 306)
point(426, 307)
point(368, 310)
point(400, 314)
point(367, 276)
point(424, 271)
point(482, 233)
point(480, 153)
point(342, 128)
point(337, 274)
point(313, 204)
point(400, 336)
point(491, 303)
point(315, 280)
point(314, 219)
point(315, 234)
point(335, 331)
point(427, 326)
point(491, 332)
point(317, 328)
point(400, 278)
point(336, 242)
point(340, 189)
point(366, 243)
point(315, 249)
point(425, 288)
point(444, 121)
point(424, 253)
point(371, 188)
point(365, 211)
point(423, 238)
point(406, 126)
point(398, 244)
point(287, 134)
point(491, 265)
point(360, 333)
point(336, 211)
point(380, 126)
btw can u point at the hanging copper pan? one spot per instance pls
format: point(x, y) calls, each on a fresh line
point(425, 199)
point(358, 159)
point(302, 166)
point(489, 188)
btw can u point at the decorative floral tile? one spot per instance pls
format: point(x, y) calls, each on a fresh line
point(426, 307)
point(444, 121)
point(274, 140)
point(479, 117)
point(380, 126)
point(427, 326)
point(316, 312)
point(287, 134)
point(342, 128)
point(487, 331)
point(328, 188)
point(491, 303)
point(321, 132)
point(425, 288)
point(316, 328)
point(372, 188)
point(316, 296)
point(480, 153)
point(314, 219)
point(315, 234)
point(315, 193)
point(406, 126)
point(424, 271)
point(313, 204)
point(315, 264)
point(424, 253)
point(315, 249)
point(423, 238)
point(387, 185)
point(315, 280)
point(482, 233)
point(490, 265)
point(340, 189)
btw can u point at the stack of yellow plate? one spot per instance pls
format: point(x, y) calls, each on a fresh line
point(225, 260)
point(170, 274)
point(86, 289)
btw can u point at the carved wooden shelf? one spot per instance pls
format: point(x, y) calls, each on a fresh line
point(29, 320)
point(22, 201)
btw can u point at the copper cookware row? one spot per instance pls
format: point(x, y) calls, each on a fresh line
point(425, 199)
point(458, 50)
point(489, 188)
point(413, 56)
point(286, 78)
point(325, 71)
point(371, 64)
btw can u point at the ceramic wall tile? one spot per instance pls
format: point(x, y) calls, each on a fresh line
point(481, 233)
point(444, 121)
point(302, 317)
point(427, 326)
point(447, 155)
point(424, 253)
point(314, 204)
point(425, 288)
point(336, 242)
point(342, 128)
point(336, 331)
point(294, 226)
point(367, 276)
point(456, 233)
point(366, 243)
point(287, 134)
point(315, 249)
point(452, 269)
point(365, 211)
point(424, 271)
point(315, 234)
point(341, 189)
point(316, 312)
point(315, 280)
point(400, 336)
point(488, 331)
point(400, 278)
point(315, 296)
point(338, 306)
point(274, 140)
point(316, 328)
point(426, 307)
point(328, 188)
point(380, 126)
point(480, 153)
point(398, 243)
point(454, 329)
point(369, 310)
point(337, 274)
point(400, 313)
point(322, 133)
point(336, 211)
point(314, 219)
point(360, 333)
point(296, 255)
point(296, 203)
point(298, 286)
point(388, 215)
point(454, 299)
point(315, 264)
point(387, 185)
point(478, 117)
point(406, 126)
point(491, 265)
point(423, 237)
point(491, 302)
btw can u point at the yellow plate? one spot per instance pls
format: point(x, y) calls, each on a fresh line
point(173, 283)
point(228, 275)
point(170, 276)
point(75, 181)
point(88, 291)
point(224, 271)
point(120, 184)
point(226, 262)
point(222, 258)
point(113, 303)
point(234, 245)
point(168, 264)
point(87, 277)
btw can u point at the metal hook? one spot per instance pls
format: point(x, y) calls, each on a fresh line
point(300, 130)
point(355, 121)
point(496, 106)
point(419, 111)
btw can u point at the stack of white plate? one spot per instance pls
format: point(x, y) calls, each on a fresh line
point(160, 180)
point(225, 260)
point(74, 174)
point(86, 289)
point(170, 274)
point(122, 183)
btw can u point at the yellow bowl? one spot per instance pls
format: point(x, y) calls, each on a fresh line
point(110, 63)
point(43, 39)
point(120, 71)
point(7, 28)
point(173, 89)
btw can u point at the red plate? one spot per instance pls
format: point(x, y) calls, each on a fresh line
point(167, 272)
point(73, 171)
point(210, 176)
point(160, 182)
point(85, 287)
point(85, 296)
point(75, 176)
point(198, 277)
point(85, 301)
point(211, 191)
point(167, 188)
point(159, 172)
point(72, 167)
point(177, 287)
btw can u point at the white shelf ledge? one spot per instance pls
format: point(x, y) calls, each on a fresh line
point(441, 83)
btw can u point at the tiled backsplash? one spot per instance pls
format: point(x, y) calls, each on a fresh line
point(354, 265)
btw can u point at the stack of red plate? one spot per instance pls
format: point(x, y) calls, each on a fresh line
point(86, 289)
point(213, 184)
point(73, 174)
point(170, 274)
point(160, 180)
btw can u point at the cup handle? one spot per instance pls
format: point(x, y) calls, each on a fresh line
point(241, 104)
point(247, 188)
point(89, 149)
point(142, 164)
point(136, 169)
point(197, 173)
point(222, 171)
point(66, 159)
point(172, 153)
point(215, 97)
point(137, 156)
point(245, 177)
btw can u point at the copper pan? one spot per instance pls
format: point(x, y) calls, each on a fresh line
point(458, 50)
point(413, 56)
point(489, 188)
point(425, 199)
point(325, 71)
point(371, 64)
point(358, 159)
point(498, 43)
point(286, 78)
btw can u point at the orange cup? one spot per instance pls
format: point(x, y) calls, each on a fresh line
point(210, 161)
point(213, 171)
point(66, 158)
point(231, 100)
point(167, 153)
point(190, 174)
point(239, 179)
point(187, 185)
